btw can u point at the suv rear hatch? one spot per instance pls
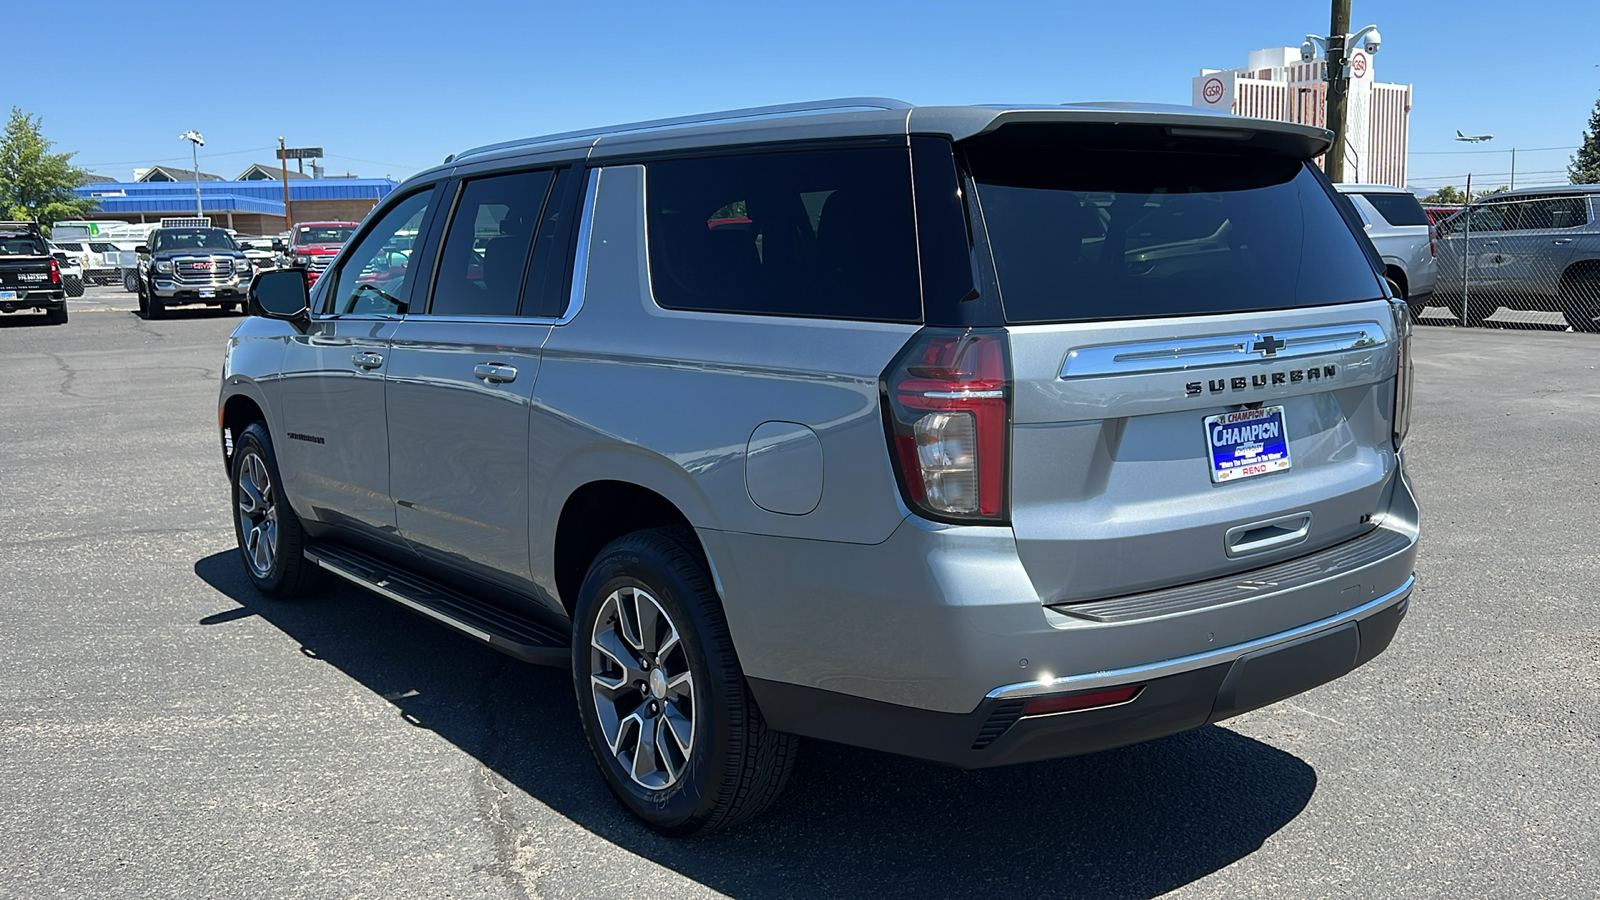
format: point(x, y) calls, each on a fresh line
point(1203, 357)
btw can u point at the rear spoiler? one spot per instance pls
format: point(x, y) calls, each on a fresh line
point(1180, 122)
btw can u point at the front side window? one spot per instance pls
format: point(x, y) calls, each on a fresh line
point(827, 233)
point(485, 253)
point(372, 280)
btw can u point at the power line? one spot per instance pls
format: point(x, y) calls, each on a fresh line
point(1502, 150)
point(135, 162)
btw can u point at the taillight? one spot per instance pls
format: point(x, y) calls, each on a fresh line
point(55, 271)
point(1405, 371)
point(1433, 239)
point(947, 399)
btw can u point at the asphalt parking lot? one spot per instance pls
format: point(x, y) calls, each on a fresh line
point(166, 732)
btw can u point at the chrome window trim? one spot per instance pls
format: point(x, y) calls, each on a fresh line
point(1163, 668)
point(580, 258)
point(482, 320)
point(1217, 350)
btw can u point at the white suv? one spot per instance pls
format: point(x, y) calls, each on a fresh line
point(1399, 228)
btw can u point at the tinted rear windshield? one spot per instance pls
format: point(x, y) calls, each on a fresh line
point(1094, 231)
point(21, 245)
point(1398, 209)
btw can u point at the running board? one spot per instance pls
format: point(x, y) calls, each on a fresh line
point(514, 635)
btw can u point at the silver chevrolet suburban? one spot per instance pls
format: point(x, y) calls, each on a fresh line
point(975, 434)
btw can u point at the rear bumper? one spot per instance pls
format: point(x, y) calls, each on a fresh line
point(34, 299)
point(1174, 696)
point(912, 645)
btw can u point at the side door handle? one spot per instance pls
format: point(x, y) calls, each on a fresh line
point(495, 373)
point(368, 361)
point(1490, 243)
point(1563, 240)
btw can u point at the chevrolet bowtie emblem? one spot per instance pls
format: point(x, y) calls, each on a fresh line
point(1268, 345)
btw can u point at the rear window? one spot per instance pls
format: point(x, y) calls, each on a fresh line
point(1094, 231)
point(1398, 209)
point(827, 233)
point(21, 245)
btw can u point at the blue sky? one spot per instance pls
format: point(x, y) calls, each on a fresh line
point(391, 88)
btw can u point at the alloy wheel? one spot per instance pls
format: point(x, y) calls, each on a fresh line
point(642, 687)
point(258, 514)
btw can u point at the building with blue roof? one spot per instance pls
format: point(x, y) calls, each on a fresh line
point(249, 207)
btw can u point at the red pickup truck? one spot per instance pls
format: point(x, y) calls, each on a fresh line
point(313, 245)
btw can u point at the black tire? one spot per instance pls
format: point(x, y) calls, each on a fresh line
point(230, 307)
point(155, 307)
point(1580, 301)
point(735, 766)
point(57, 315)
point(287, 574)
point(73, 286)
point(130, 281)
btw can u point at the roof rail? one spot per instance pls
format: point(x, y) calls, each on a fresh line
point(754, 112)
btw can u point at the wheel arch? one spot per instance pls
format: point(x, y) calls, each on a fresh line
point(240, 407)
point(1578, 269)
point(1397, 272)
point(593, 515)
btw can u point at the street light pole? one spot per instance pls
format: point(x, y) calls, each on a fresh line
point(196, 141)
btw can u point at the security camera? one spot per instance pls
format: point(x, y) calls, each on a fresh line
point(1373, 40)
point(1308, 51)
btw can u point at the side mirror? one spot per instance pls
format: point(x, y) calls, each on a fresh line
point(281, 294)
point(141, 249)
point(277, 245)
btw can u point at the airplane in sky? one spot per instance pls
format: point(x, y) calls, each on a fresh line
point(1473, 138)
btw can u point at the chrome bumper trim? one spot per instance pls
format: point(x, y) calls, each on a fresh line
point(1151, 671)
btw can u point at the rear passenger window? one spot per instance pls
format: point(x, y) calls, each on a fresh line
point(485, 254)
point(825, 234)
point(1554, 212)
point(1398, 209)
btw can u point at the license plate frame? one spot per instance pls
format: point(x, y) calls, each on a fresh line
point(207, 294)
point(1246, 443)
point(8, 295)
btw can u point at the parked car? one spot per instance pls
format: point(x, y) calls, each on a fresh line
point(71, 271)
point(30, 278)
point(1535, 248)
point(1437, 214)
point(261, 252)
point(313, 245)
point(976, 434)
point(188, 264)
point(1403, 235)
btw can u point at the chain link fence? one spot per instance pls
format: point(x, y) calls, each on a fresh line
point(1529, 261)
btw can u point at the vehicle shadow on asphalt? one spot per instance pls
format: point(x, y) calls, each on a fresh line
point(23, 320)
point(1135, 822)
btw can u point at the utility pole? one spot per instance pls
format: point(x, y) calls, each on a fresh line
point(283, 162)
point(1338, 88)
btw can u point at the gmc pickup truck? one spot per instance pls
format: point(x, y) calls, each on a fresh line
point(30, 278)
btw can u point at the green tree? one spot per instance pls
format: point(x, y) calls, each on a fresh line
point(1445, 196)
point(1585, 166)
point(35, 183)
